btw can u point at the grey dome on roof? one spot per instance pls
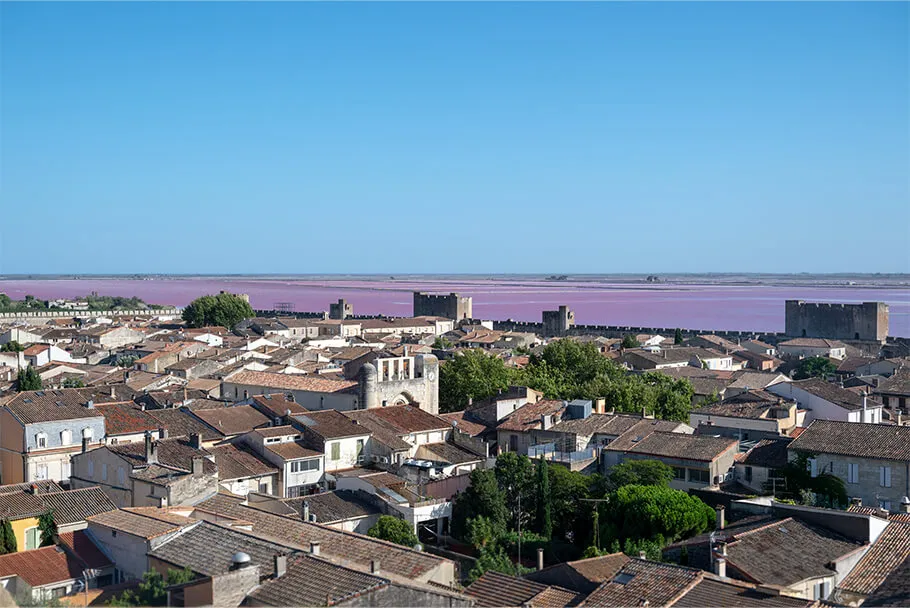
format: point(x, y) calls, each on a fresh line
point(240, 558)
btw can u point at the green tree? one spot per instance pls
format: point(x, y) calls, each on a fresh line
point(224, 309)
point(481, 498)
point(12, 347)
point(8, 543)
point(825, 489)
point(641, 473)
point(73, 382)
point(471, 374)
point(652, 512)
point(629, 341)
point(394, 530)
point(493, 558)
point(814, 367)
point(127, 361)
point(5, 301)
point(48, 528)
point(678, 337)
point(442, 343)
point(152, 591)
point(28, 379)
point(544, 499)
point(569, 511)
point(515, 477)
point(483, 532)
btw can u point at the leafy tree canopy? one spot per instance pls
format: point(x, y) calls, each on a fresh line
point(471, 374)
point(629, 341)
point(394, 530)
point(48, 529)
point(481, 498)
point(642, 473)
point(814, 367)
point(12, 347)
point(28, 380)
point(224, 309)
point(648, 512)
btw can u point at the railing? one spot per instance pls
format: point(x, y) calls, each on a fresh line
point(548, 451)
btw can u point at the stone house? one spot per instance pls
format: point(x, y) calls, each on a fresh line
point(748, 416)
point(300, 469)
point(756, 468)
point(41, 430)
point(110, 338)
point(343, 442)
point(800, 348)
point(826, 401)
point(894, 392)
point(873, 460)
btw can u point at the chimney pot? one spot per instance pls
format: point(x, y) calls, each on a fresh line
point(719, 509)
point(374, 566)
point(196, 441)
point(314, 547)
point(540, 558)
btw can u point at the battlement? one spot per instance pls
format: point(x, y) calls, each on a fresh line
point(867, 321)
point(451, 306)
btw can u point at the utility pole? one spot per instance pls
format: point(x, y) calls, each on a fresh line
point(518, 566)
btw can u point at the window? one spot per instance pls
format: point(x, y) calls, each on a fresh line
point(699, 476)
point(884, 476)
point(41, 471)
point(66, 470)
point(513, 443)
point(263, 487)
point(813, 467)
point(91, 469)
point(821, 591)
point(88, 433)
point(336, 451)
point(305, 465)
point(121, 476)
point(32, 538)
point(748, 474)
point(885, 504)
point(66, 437)
point(103, 471)
point(41, 440)
point(852, 472)
point(679, 473)
point(359, 447)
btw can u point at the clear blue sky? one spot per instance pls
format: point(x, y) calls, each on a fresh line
point(454, 137)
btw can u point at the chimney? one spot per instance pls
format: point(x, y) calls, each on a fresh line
point(719, 512)
point(540, 558)
point(197, 466)
point(162, 432)
point(905, 504)
point(33, 489)
point(113, 392)
point(281, 565)
point(856, 502)
point(314, 547)
point(643, 603)
point(720, 560)
point(899, 421)
point(374, 566)
point(864, 400)
point(196, 441)
point(305, 511)
point(90, 404)
point(151, 451)
point(470, 401)
point(84, 445)
point(642, 555)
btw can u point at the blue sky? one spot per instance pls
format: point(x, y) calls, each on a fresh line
point(454, 137)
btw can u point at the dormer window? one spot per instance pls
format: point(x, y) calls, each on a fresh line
point(66, 437)
point(41, 440)
point(88, 433)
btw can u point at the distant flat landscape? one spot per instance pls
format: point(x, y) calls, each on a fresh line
point(717, 302)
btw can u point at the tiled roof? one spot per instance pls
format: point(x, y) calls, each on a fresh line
point(769, 453)
point(233, 420)
point(786, 551)
point(641, 430)
point(679, 445)
point(44, 485)
point(897, 384)
point(291, 450)
point(583, 576)
point(813, 343)
point(85, 548)
point(182, 424)
point(527, 417)
point(658, 584)
point(728, 593)
point(291, 382)
point(44, 406)
point(887, 553)
point(331, 424)
point(18, 505)
point(346, 547)
point(176, 453)
point(278, 404)
point(752, 404)
point(310, 581)
point(833, 393)
point(447, 452)
point(237, 463)
point(40, 567)
point(605, 424)
point(495, 589)
point(383, 431)
point(207, 549)
point(136, 524)
point(330, 507)
point(862, 440)
point(463, 424)
point(126, 418)
point(895, 591)
point(409, 419)
point(72, 506)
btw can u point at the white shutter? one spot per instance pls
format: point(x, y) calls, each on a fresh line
point(885, 476)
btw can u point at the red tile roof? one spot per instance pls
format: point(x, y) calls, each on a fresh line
point(40, 567)
point(79, 543)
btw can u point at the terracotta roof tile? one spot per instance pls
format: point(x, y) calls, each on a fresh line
point(291, 382)
point(862, 440)
point(887, 553)
point(39, 567)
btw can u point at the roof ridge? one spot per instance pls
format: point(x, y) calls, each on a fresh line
point(766, 526)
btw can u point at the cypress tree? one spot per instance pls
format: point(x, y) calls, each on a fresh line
point(9, 537)
point(48, 528)
point(544, 518)
point(677, 337)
